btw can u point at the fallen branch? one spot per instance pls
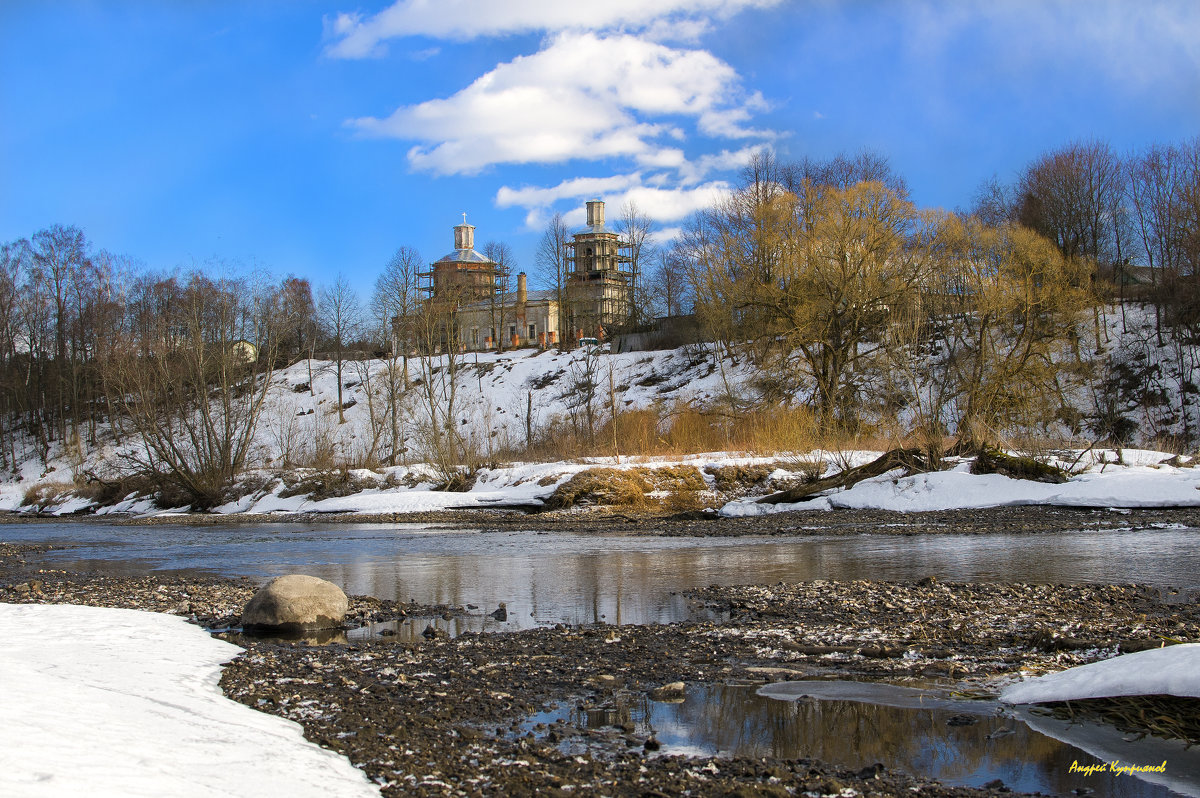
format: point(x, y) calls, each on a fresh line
point(913, 460)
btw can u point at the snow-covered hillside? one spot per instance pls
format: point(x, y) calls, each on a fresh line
point(503, 400)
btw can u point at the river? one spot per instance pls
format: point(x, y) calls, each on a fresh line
point(546, 578)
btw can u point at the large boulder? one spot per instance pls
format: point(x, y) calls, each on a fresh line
point(296, 603)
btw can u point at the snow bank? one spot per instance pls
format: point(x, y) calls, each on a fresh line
point(1104, 485)
point(113, 702)
point(1174, 670)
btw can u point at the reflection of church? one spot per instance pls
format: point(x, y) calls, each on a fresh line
point(595, 302)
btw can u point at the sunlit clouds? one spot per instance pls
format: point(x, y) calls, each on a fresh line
point(355, 35)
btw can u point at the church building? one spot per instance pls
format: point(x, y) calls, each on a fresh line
point(596, 300)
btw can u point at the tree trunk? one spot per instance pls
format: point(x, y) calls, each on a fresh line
point(911, 459)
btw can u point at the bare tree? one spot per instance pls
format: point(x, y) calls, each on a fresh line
point(551, 260)
point(583, 393)
point(444, 444)
point(341, 320)
point(298, 317)
point(995, 203)
point(13, 259)
point(667, 284)
point(192, 391)
point(842, 171)
point(1069, 196)
point(500, 296)
point(395, 304)
point(636, 227)
point(1073, 197)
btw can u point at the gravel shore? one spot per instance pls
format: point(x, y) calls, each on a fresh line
point(626, 521)
point(450, 716)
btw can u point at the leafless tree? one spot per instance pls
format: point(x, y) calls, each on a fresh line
point(842, 171)
point(551, 261)
point(441, 373)
point(13, 257)
point(395, 305)
point(668, 286)
point(1069, 195)
point(636, 228)
point(341, 321)
point(192, 391)
point(1073, 196)
point(298, 318)
point(500, 298)
point(994, 203)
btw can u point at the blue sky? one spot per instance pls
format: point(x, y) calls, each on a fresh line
point(316, 137)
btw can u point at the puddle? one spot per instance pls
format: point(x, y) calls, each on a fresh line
point(412, 629)
point(924, 731)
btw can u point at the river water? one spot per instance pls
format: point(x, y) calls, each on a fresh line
point(547, 578)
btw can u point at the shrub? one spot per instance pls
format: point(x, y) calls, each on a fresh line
point(608, 486)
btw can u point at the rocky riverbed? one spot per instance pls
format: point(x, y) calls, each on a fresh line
point(444, 716)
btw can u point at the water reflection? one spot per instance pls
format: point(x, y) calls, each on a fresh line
point(938, 740)
point(578, 578)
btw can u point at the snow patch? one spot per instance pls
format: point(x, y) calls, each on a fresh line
point(115, 702)
point(1174, 670)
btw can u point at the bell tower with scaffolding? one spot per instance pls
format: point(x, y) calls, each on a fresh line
point(598, 279)
point(463, 275)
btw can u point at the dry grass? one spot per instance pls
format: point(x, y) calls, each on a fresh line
point(610, 486)
point(329, 483)
point(1168, 716)
point(684, 488)
point(739, 480)
point(680, 430)
point(42, 495)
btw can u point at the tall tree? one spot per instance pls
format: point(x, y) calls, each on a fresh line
point(636, 227)
point(188, 388)
point(298, 317)
point(60, 260)
point(667, 283)
point(1072, 196)
point(551, 261)
point(500, 298)
point(1007, 327)
point(341, 320)
point(395, 304)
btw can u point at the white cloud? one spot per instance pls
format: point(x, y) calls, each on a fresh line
point(664, 235)
point(583, 96)
point(672, 204)
point(352, 35)
point(723, 161)
point(533, 196)
point(661, 203)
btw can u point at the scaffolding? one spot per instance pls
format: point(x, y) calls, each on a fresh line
point(599, 279)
